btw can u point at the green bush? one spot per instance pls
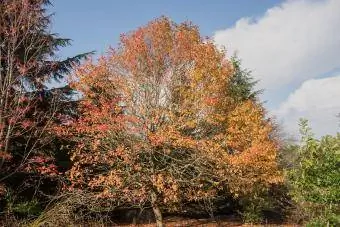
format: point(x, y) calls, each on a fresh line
point(314, 177)
point(28, 208)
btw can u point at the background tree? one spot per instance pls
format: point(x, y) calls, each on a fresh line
point(253, 166)
point(242, 84)
point(27, 108)
point(314, 177)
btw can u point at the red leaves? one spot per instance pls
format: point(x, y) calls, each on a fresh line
point(5, 155)
point(103, 127)
point(42, 165)
point(39, 160)
point(156, 140)
point(23, 69)
point(23, 99)
point(27, 123)
point(211, 101)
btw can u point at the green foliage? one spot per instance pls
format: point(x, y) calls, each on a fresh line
point(252, 209)
point(21, 206)
point(29, 208)
point(315, 177)
point(242, 84)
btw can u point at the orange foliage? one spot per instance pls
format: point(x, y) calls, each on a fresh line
point(156, 118)
point(253, 165)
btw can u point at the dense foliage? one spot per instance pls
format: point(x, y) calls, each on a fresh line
point(315, 178)
point(161, 125)
point(165, 123)
point(27, 107)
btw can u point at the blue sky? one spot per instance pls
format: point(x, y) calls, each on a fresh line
point(291, 46)
point(94, 25)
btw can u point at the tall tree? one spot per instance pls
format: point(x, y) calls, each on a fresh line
point(27, 62)
point(242, 84)
point(154, 121)
point(139, 136)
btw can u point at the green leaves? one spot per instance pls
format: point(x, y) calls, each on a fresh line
point(242, 84)
point(316, 180)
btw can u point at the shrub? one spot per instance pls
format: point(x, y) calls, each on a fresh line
point(314, 178)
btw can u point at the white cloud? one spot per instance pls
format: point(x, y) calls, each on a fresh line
point(318, 100)
point(292, 42)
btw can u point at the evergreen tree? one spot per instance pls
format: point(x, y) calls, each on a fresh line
point(242, 84)
point(28, 61)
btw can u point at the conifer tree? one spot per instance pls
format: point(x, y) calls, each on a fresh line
point(28, 61)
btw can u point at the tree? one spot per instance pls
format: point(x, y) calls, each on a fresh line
point(253, 167)
point(242, 84)
point(153, 124)
point(27, 107)
point(314, 177)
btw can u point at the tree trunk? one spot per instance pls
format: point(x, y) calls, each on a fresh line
point(157, 212)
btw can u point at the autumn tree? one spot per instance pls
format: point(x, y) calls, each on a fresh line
point(158, 126)
point(27, 107)
point(253, 166)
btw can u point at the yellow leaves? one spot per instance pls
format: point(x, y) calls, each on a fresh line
point(256, 165)
point(254, 162)
point(95, 144)
point(167, 186)
point(155, 140)
point(245, 125)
